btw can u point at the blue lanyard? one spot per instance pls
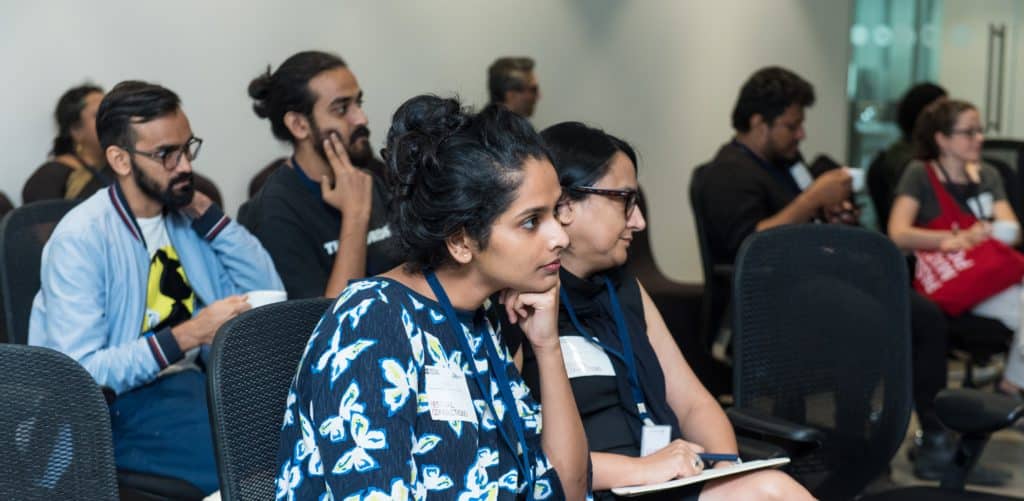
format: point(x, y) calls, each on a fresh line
point(627, 345)
point(496, 367)
point(782, 176)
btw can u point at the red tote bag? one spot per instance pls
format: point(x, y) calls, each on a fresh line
point(959, 281)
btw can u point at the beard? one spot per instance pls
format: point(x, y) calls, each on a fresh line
point(169, 197)
point(359, 153)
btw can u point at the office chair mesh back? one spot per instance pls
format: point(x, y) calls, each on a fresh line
point(253, 360)
point(54, 429)
point(23, 233)
point(821, 326)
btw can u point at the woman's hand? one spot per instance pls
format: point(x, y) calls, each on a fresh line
point(536, 313)
point(963, 240)
point(678, 459)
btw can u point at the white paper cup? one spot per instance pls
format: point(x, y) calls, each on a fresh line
point(265, 297)
point(1005, 231)
point(857, 175)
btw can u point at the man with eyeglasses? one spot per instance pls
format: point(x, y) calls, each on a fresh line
point(512, 83)
point(136, 280)
point(322, 215)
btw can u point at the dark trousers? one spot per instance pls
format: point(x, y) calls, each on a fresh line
point(163, 428)
point(928, 331)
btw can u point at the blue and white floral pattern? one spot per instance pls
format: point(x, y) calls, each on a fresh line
point(357, 424)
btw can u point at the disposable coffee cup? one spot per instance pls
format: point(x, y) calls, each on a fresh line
point(857, 175)
point(1005, 231)
point(265, 297)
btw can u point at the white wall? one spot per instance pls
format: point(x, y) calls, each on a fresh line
point(663, 74)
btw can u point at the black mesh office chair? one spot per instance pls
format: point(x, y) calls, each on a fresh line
point(252, 363)
point(23, 233)
point(54, 429)
point(822, 339)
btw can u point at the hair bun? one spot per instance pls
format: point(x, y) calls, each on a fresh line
point(259, 90)
point(418, 129)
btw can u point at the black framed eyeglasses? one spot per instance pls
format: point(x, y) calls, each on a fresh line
point(627, 196)
point(170, 156)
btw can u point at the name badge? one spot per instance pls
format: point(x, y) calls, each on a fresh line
point(654, 438)
point(584, 358)
point(448, 395)
point(802, 175)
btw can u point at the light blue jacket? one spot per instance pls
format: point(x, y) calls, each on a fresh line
point(95, 268)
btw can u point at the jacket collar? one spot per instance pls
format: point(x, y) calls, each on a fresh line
point(123, 210)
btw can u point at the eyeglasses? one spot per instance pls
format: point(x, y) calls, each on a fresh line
point(170, 156)
point(969, 132)
point(628, 196)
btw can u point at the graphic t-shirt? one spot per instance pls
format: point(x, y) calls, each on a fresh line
point(169, 296)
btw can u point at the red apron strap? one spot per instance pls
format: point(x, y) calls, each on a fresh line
point(950, 210)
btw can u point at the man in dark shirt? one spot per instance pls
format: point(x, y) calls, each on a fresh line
point(321, 216)
point(749, 186)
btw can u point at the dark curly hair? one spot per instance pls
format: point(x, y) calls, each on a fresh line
point(582, 155)
point(69, 116)
point(940, 116)
point(452, 171)
point(768, 92)
point(287, 89)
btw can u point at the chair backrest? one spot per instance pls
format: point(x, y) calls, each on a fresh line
point(880, 192)
point(716, 286)
point(55, 440)
point(23, 233)
point(252, 362)
point(821, 332)
point(641, 256)
point(1008, 150)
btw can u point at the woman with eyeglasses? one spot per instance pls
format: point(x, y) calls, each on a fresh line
point(77, 167)
point(948, 136)
point(632, 386)
point(407, 389)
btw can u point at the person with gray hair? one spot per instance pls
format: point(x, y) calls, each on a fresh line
point(511, 82)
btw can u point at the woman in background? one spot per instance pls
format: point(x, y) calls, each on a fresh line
point(76, 168)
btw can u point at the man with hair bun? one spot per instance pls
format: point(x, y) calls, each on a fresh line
point(322, 215)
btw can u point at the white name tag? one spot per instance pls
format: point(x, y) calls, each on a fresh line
point(802, 175)
point(584, 358)
point(982, 202)
point(654, 438)
point(448, 395)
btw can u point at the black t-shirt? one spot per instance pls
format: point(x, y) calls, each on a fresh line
point(738, 193)
point(300, 231)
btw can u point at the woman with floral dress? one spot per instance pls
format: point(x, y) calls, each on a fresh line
point(406, 389)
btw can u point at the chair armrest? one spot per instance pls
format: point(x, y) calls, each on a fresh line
point(752, 449)
point(108, 394)
point(795, 438)
point(977, 412)
point(723, 270)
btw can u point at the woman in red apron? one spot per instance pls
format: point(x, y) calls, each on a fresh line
point(951, 210)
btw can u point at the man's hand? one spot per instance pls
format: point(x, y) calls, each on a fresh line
point(843, 213)
point(200, 329)
point(831, 188)
point(199, 205)
point(352, 192)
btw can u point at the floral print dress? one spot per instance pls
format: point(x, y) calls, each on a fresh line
point(358, 424)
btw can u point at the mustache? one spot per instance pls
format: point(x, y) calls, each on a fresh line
point(184, 176)
point(360, 132)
